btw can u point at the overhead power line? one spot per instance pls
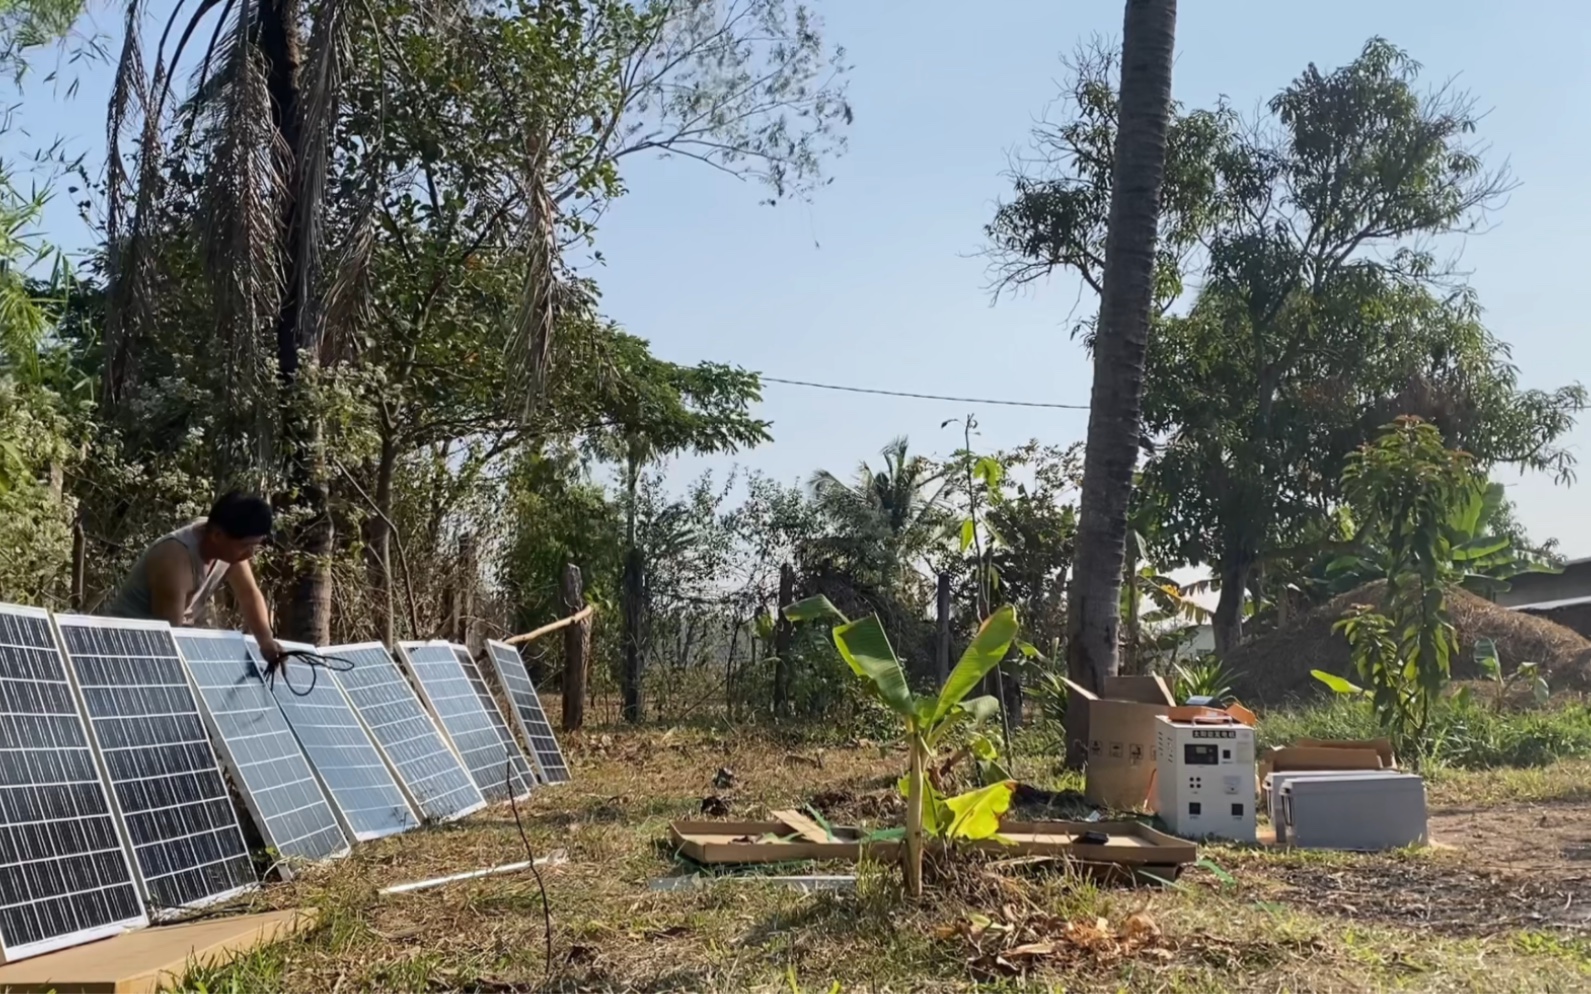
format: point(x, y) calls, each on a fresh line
point(923, 396)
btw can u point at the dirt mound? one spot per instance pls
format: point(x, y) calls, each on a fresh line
point(1275, 667)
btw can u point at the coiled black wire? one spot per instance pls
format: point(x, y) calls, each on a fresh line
point(309, 659)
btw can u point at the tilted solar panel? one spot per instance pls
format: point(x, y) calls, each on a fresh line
point(165, 779)
point(494, 713)
point(429, 770)
point(446, 690)
point(65, 877)
point(258, 746)
point(550, 765)
point(363, 791)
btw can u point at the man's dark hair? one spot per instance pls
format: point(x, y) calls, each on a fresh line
point(241, 516)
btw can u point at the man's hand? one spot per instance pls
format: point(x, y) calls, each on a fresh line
point(271, 651)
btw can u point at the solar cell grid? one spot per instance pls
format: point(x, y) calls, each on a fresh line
point(446, 688)
point(436, 781)
point(259, 747)
point(64, 873)
point(367, 798)
point(494, 714)
point(532, 717)
point(165, 779)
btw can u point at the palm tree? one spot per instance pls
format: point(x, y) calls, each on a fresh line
point(1115, 407)
point(885, 519)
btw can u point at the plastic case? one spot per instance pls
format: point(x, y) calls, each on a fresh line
point(1270, 791)
point(1358, 811)
point(1204, 778)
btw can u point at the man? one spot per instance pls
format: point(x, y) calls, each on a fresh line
point(175, 577)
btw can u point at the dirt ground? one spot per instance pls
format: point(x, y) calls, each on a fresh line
point(1502, 903)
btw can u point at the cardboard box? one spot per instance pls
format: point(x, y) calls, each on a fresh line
point(1329, 754)
point(1382, 748)
point(1120, 738)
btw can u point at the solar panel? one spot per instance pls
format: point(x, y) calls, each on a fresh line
point(361, 786)
point(257, 744)
point(446, 689)
point(438, 784)
point(65, 877)
point(494, 714)
point(165, 779)
point(550, 765)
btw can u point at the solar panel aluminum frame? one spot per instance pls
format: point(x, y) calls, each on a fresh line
point(519, 719)
point(405, 650)
point(97, 621)
point(403, 784)
point(337, 809)
point(224, 749)
point(500, 721)
point(12, 953)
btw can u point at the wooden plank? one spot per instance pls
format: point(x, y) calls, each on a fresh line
point(803, 826)
point(1130, 843)
point(141, 962)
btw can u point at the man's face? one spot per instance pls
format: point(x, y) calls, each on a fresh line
point(236, 550)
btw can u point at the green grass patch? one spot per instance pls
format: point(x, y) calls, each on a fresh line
point(1465, 735)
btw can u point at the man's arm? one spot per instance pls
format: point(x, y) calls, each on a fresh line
point(170, 583)
point(256, 615)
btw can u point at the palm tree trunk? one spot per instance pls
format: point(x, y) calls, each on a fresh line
point(309, 607)
point(1115, 407)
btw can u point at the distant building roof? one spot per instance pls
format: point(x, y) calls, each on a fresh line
point(1550, 605)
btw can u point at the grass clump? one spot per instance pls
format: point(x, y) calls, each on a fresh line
point(1465, 734)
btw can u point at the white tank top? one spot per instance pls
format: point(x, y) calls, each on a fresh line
point(134, 599)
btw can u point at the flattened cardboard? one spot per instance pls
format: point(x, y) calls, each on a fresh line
point(1121, 739)
point(802, 826)
point(150, 959)
point(1131, 844)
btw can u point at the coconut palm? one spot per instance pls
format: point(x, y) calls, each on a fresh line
point(1115, 408)
point(882, 523)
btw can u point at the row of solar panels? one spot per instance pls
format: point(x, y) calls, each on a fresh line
point(113, 805)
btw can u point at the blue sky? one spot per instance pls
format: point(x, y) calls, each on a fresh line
point(877, 281)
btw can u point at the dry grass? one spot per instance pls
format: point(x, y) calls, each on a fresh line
point(1275, 668)
point(1297, 922)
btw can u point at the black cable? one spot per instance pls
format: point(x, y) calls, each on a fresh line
point(309, 659)
point(513, 804)
point(921, 396)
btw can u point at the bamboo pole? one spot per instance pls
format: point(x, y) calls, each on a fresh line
point(547, 629)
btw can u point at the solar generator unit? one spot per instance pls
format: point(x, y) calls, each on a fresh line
point(427, 768)
point(165, 779)
point(1204, 778)
point(66, 877)
point(363, 789)
point(528, 712)
point(258, 746)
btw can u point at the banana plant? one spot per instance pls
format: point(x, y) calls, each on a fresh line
point(927, 721)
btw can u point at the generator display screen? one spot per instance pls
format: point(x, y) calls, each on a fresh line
point(1200, 754)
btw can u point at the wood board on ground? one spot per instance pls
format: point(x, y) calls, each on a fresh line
point(1129, 843)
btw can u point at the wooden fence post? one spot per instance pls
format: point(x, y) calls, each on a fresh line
point(782, 630)
point(634, 591)
point(576, 647)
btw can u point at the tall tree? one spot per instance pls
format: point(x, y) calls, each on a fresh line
point(1126, 304)
point(319, 125)
point(1324, 313)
